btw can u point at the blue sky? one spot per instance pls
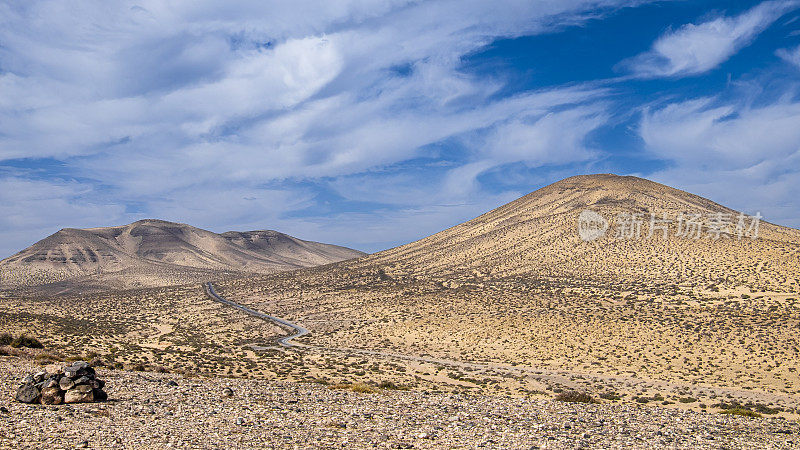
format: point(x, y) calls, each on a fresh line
point(375, 123)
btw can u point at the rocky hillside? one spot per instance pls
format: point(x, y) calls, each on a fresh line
point(538, 235)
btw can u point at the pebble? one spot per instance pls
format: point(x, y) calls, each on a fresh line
point(151, 415)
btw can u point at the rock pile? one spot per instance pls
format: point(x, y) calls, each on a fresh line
point(72, 384)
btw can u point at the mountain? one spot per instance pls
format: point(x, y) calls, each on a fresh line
point(156, 252)
point(537, 235)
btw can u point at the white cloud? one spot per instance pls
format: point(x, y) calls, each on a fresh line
point(792, 56)
point(742, 156)
point(725, 135)
point(33, 209)
point(193, 106)
point(534, 141)
point(697, 48)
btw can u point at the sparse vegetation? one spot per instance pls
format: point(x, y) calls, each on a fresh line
point(740, 412)
point(575, 397)
point(25, 341)
point(361, 388)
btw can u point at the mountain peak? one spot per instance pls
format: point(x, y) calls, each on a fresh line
point(537, 235)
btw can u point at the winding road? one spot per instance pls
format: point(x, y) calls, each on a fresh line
point(284, 341)
point(562, 377)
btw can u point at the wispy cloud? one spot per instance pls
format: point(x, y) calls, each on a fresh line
point(792, 56)
point(197, 107)
point(697, 48)
point(741, 155)
point(35, 207)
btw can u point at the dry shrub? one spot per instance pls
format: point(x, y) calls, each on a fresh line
point(575, 397)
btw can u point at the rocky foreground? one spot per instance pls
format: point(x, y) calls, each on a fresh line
point(150, 410)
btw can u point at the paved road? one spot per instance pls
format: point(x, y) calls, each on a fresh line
point(284, 341)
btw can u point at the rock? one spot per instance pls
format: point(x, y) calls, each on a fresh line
point(98, 384)
point(100, 395)
point(83, 380)
point(66, 383)
point(172, 383)
point(240, 421)
point(79, 394)
point(52, 396)
point(28, 393)
point(3, 410)
point(38, 377)
point(28, 379)
point(227, 392)
point(80, 365)
point(82, 444)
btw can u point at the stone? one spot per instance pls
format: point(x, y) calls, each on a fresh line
point(79, 394)
point(27, 393)
point(98, 384)
point(172, 383)
point(100, 395)
point(83, 380)
point(79, 365)
point(38, 377)
point(52, 396)
point(227, 392)
point(82, 444)
point(66, 383)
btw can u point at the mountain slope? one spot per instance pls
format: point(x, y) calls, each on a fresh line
point(156, 252)
point(537, 235)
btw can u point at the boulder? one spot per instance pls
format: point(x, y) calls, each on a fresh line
point(28, 393)
point(65, 383)
point(99, 395)
point(79, 394)
point(52, 396)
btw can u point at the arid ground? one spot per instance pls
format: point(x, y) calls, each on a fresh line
point(510, 305)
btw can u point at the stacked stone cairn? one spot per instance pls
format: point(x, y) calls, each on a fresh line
point(72, 384)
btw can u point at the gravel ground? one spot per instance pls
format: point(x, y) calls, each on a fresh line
point(150, 410)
